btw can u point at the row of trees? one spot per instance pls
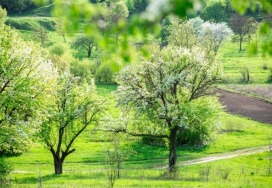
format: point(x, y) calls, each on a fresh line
point(195, 32)
point(38, 99)
point(165, 92)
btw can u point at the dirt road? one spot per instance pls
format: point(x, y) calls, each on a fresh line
point(256, 109)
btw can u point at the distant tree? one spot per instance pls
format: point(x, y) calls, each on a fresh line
point(60, 29)
point(182, 34)
point(165, 31)
point(166, 94)
point(196, 23)
point(130, 6)
point(16, 5)
point(85, 43)
point(40, 34)
point(3, 15)
point(117, 11)
point(241, 26)
point(214, 12)
point(82, 69)
point(212, 35)
point(74, 107)
point(27, 79)
point(140, 5)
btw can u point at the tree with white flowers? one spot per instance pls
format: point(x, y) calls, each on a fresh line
point(74, 107)
point(167, 94)
point(212, 35)
point(26, 81)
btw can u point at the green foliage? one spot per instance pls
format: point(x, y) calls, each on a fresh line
point(84, 69)
point(16, 5)
point(3, 15)
point(104, 73)
point(130, 6)
point(73, 107)
point(182, 34)
point(117, 11)
point(5, 170)
point(85, 43)
point(58, 49)
point(214, 12)
point(40, 35)
point(200, 115)
point(269, 79)
point(245, 74)
point(167, 92)
point(26, 75)
point(165, 31)
point(140, 5)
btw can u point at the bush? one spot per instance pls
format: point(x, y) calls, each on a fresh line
point(245, 74)
point(152, 140)
point(265, 67)
point(57, 49)
point(269, 79)
point(104, 74)
point(5, 169)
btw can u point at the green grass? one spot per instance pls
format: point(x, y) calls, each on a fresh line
point(85, 167)
point(31, 23)
point(233, 60)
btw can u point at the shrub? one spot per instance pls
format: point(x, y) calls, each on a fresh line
point(5, 169)
point(104, 74)
point(265, 67)
point(245, 74)
point(204, 173)
point(152, 140)
point(57, 49)
point(190, 137)
point(269, 79)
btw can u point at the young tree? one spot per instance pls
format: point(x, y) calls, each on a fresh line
point(196, 23)
point(83, 42)
point(166, 93)
point(26, 76)
point(60, 29)
point(117, 11)
point(40, 35)
point(3, 15)
point(214, 13)
point(165, 32)
point(241, 26)
point(182, 34)
point(73, 109)
point(212, 35)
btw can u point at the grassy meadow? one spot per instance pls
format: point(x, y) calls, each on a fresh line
point(146, 165)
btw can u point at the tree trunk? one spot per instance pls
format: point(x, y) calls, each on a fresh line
point(58, 165)
point(172, 147)
point(89, 53)
point(64, 37)
point(241, 40)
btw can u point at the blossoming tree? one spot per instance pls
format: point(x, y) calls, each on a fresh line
point(168, 93)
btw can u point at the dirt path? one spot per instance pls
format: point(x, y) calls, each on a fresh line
point(256, 109)
point(228, 155)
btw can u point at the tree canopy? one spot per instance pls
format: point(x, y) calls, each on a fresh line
point(26, 80)
point(164, 95)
